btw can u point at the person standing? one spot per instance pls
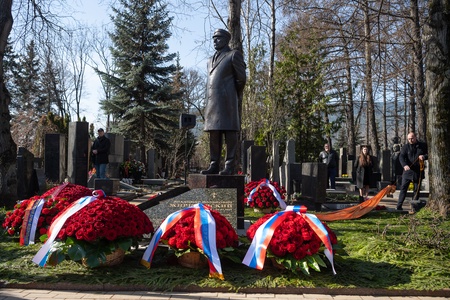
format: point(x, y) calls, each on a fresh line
point(225, 87)
point(329, 157)
point(100, 151)
point(412, 157)
point(364, 171)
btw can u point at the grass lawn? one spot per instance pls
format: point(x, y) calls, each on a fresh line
point(385, 250)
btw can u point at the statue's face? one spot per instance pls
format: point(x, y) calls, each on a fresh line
point(220, 42)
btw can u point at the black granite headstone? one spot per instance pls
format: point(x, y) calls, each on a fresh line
point(244, 147)
point(256, 163)
point(55, 157)
point(78, 153)
point(295, 173)
point(237, 182)
point(27, 183)
point(314, 183)
point(115, 155)
point(221, 199)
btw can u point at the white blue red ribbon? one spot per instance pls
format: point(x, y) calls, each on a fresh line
point(267, 183)
point(256, 254)
point(41, 257)
point(30, 221)
point(205, 237)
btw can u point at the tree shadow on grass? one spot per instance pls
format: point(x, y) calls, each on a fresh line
point(167, 275)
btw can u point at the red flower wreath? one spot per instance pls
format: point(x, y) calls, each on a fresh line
point(99, 229)
point(293, 240)
point(182, 236)
point(263, 197)
point(108, 218)
point(57, 199)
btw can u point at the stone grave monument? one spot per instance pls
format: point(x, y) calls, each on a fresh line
point(78, 153)
point(55, 157)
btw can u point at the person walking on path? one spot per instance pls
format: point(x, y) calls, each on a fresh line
point(364, 171)
point(225, 87)
point(100, 151)
point(329, 157)
point(412, 157)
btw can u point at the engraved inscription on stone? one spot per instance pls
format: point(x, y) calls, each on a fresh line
point(221, 199)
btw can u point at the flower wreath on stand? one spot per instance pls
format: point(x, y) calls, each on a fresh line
point(291, 239)
point(32, 217)
point(264, 194)
point(195, 229)
point(94, 230)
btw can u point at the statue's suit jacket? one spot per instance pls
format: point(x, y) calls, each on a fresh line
point(225, 86)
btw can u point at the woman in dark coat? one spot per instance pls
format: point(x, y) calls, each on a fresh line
point(364, 170)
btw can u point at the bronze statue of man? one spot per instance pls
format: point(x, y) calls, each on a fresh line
point(225, 87)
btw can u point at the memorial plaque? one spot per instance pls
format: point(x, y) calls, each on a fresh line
point(221, 199)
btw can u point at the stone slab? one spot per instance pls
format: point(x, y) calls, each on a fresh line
point(154, 181)
point(109, 186)
point(221, 199)
point(196, 181)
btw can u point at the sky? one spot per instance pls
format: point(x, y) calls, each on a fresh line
point(190, 38)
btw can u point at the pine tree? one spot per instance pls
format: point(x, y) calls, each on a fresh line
point(27, 82)
point(142, 78)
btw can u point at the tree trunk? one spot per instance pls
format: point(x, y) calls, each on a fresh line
point(349, 106)
point(234, 25)
point(8, 149)
point(437, 61)
point(418, 71)
point(373, 134)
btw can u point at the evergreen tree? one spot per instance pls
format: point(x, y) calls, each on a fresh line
point(142, 80)
point(299, 88)
point(27, 82)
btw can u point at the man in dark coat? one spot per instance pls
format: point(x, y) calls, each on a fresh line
point(412, 157)
point(330, 157)
point(100, 151)
point(225, 87)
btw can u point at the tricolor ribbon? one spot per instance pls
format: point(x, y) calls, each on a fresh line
point(205, 237)
point(256, 253)
point(267, 183)
point(30, 221)
point(41, 257)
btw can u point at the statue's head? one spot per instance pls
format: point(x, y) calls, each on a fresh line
point(221, 37)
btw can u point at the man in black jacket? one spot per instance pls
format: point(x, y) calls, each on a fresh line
point(225, 87)
point(330, 157)
point(100, 151)
point(412, 157)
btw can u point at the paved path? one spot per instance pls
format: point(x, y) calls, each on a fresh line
point(34, 294)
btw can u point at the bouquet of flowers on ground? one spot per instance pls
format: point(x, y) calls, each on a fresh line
point(195, 229)
point(264, 194)
point(131, 167)
point(93, 228)
point(32, 217)
point(291, 239)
